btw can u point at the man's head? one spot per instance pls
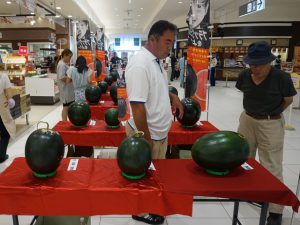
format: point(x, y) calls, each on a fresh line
point(259, 57)
point(161, 38)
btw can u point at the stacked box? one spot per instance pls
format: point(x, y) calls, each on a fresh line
point(25, 103)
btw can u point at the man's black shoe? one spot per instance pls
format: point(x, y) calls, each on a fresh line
point(150, 219)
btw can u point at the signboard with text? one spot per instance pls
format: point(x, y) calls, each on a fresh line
point(251, 7)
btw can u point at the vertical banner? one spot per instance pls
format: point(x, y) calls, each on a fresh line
point(198, 51)
point(84, 44)
point(100, 63)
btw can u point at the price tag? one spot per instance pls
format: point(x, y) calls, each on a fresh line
point(152, 167)
point(73, 164)
point(102, 102)
point(92, 122)
point(246, 166)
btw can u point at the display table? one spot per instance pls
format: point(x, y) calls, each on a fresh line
point(96, 187)
point(97, 111)
point(100, 135)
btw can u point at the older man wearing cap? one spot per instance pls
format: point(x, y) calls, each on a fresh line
point(267, 93)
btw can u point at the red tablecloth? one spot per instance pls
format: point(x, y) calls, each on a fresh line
point(100, 135)
point(95, 188)
point(106, 97)
point(97, 111)
point(256, 185)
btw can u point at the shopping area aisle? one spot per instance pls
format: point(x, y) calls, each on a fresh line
point(224, 109)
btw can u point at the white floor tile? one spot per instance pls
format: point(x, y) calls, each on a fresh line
point(245, 210)
point(198, 221)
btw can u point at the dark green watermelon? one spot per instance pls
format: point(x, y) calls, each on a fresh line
point(93, 94)
point(113, 93)
point(111, 117)
point(109, 80)
point(220, 152)
point(173, 90)
point(192, 112)
point(115, 75)
point(134, 157)
point(44, 150)
point(79, 113)
point(103, 86)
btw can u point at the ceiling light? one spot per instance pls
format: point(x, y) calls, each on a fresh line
point(69, 16)
point(142, 8)
point(58, 7)
point(180, 2)
point(8, 2)
point(57, 16)
point(32, 13)
point(139, 15)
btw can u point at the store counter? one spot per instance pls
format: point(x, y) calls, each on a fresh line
point(228, 73)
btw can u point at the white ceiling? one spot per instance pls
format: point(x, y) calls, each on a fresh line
point(126, 16)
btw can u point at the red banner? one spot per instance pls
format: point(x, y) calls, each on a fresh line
point(100, 55)
point(197, 58)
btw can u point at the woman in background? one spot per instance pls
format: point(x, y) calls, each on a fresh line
point(80, 77)
point(7, 124)
point(66, 91)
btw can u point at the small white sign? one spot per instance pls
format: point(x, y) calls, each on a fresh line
point(260, 5)
point(73, 164)
point(151, 167)
point(246, 166)
point(101, 102)
point(92, 122)
point(123, 123)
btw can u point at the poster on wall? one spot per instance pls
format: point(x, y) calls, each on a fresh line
point(100, 64)
point(84, 44)
point(198, 51)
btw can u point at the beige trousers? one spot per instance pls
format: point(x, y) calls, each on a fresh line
point(159, 147)
point(265, 137)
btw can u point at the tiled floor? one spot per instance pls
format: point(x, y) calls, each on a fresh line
point(225, 107)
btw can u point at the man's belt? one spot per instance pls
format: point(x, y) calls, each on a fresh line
point(264, 117)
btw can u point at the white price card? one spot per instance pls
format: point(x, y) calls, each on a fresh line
point(73, 164)
point(102, 102)
point(123, 123)
point(92, 122)
point(246, 166)
point(199, 123)
point(151, 167)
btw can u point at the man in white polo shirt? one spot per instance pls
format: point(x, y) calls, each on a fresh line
point(149, 97)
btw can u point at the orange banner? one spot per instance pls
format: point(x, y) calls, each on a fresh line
point(197, 58)
point(100, 55)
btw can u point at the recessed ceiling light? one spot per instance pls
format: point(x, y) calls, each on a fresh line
point(139, 15)
point(180, 2)
point(58, 7)
point(8, 2)
point(57, 16)
point(70, 16)
point(142, 8)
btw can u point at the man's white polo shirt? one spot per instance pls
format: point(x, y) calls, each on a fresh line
point(146, 82)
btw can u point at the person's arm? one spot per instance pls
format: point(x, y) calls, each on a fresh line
point(286, 102)
point(140, 120)
point(176, 104)
point(8, 93)
point(68, 80)
point(68, 77)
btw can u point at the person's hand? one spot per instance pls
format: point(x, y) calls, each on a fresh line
point(176, 105)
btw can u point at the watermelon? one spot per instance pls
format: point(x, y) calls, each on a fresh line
point(115, 75)
point(44, 150)
point(79, 113)
point(103, 86)
point(109, 80)
point(173, 90)
point(93, 94)
point(220, 152)
point(134, 157)
point(192, 112)
point(111, 118)
point(113, 93)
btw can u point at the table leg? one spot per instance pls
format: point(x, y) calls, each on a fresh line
point(235, 219)
point(263, 213)
point(15, 219)
point(27, 119)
